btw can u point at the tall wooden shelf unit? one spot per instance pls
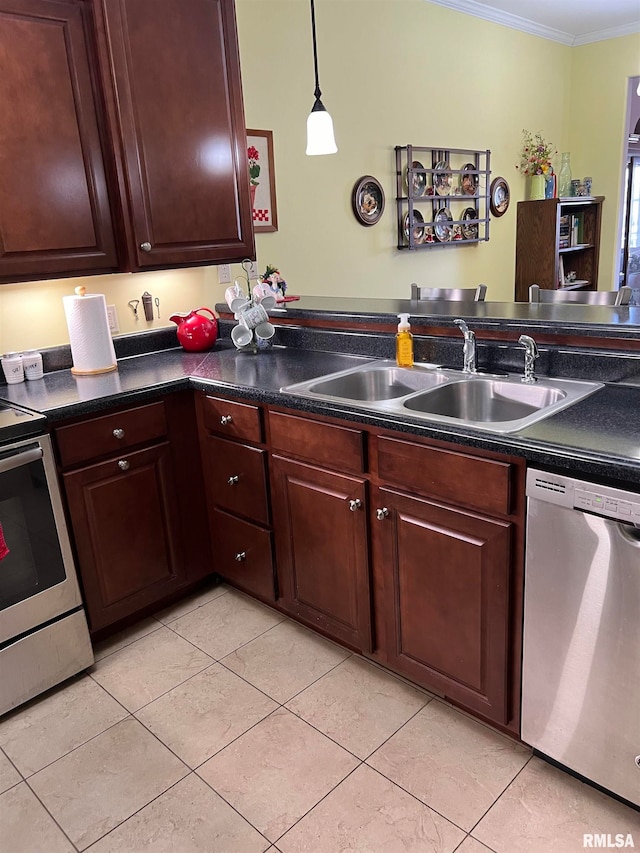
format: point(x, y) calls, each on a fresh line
point(543, 229)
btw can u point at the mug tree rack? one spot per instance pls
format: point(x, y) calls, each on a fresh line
point(442, 196)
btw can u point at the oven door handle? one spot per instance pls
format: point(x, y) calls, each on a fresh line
point(31, 455)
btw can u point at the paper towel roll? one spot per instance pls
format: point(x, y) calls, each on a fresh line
point(89, 335)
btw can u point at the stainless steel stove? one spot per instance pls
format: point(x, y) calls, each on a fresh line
point(44, 637)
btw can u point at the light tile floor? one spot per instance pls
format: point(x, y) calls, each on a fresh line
point(221, 726)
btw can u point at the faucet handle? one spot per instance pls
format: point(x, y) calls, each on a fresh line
point(462, 326)
point(530, 355)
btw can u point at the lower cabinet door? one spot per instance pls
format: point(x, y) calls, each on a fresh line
point(320, 526)
point(243, 554)
point(446, 598)
point(123, 520)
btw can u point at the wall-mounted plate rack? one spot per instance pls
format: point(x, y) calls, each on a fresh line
point(442, 196)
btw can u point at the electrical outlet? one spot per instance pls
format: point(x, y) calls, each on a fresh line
point(112, 314)
point(224, 273)
point(253, 270)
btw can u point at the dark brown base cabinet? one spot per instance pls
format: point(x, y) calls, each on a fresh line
point(124, 475)
point(322, 549)
point(235, 465)
point(446, 599)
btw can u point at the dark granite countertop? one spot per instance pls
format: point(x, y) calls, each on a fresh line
point(598, 437)
point(561, 319)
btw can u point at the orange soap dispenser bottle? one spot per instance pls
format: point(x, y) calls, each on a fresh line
point(404, 342)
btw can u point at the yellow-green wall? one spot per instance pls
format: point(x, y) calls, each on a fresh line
point(597, 131)
point(392, 72)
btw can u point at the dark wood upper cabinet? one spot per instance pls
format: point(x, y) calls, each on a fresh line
point(123, 141)
point(55, 216)
point(171, 76)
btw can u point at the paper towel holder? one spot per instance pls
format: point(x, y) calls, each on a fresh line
point(81, 292)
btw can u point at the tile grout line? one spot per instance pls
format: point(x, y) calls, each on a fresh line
point(53, 818)
point(508, 785)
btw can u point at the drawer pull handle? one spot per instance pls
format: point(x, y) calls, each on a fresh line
point(146, 246)
point(226, 419)
point(381, 514)
point(241, 556)
point(233, 480)
point(354, 506)
point(118, 433)
point(123, 465)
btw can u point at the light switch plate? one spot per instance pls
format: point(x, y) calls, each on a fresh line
point(224, 273)
point(112, 314)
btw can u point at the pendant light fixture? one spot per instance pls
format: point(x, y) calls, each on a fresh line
point(320, 138)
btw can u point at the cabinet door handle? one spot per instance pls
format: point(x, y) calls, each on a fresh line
point(226, 419)
point(123, 465)
point(381, 514)
point(233, 480)
point(118, 433)
point(146, 246)
point(241, 556)
point(354, 506)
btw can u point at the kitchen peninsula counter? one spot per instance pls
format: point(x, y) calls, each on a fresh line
point(597, 437)
point(495, 319)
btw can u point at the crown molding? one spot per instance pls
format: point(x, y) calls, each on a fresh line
point(611, 33)
point(507, 19)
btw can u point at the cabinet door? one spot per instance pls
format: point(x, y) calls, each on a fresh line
point(321, 549)
point(54, 208)
point(172, 73)
point(123, 520)
point(446, 595)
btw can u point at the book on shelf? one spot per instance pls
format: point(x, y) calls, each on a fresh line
point(570, 231)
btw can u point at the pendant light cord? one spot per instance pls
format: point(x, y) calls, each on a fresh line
point(317, 92)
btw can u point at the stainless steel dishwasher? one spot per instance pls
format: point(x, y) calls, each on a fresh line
point(581, 665)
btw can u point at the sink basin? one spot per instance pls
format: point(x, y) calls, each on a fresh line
point(372, 383)
point(486, 400)
point(428, 392)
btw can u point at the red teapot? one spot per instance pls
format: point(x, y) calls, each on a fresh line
point(195, 332)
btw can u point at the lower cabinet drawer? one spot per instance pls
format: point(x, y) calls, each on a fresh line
point(237, 478)
point(452, 476)
point(243, 554)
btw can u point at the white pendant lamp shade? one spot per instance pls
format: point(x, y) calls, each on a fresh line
point(320, 138)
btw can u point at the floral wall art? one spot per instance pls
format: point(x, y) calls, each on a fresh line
point(262, 180)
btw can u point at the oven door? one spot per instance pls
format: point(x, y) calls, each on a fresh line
point(38, 582)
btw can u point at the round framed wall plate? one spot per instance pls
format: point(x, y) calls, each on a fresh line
point(418, 227)
point(367, 200)
point(499, 196)
point(442, 225)
point(469, 229)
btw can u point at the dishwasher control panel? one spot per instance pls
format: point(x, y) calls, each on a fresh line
point(589, 497)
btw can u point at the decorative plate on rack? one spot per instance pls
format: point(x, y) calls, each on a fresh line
point(469, 229)
point(442, 227)
point(419, 181)
point(367, 200)
point(470, 180)
point(418, 227)
point(499, 196)
point(442, 178)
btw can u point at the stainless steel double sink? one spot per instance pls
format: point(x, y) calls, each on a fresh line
point(498, 403)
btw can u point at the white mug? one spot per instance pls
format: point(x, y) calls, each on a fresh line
point(252, 315)
point(263, 295)
point(235, 297)
point(264, 331)
point(241, 336)
point(13, 368)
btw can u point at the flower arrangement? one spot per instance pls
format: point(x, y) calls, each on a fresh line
point(535, 155)
point(271, 276)
point(254, 167)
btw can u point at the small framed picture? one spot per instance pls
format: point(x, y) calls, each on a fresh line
point(499, 196)
point(262, 181)
point(368, 200)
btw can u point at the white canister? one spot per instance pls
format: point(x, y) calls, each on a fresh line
point(13, 368)
point(32, 364)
